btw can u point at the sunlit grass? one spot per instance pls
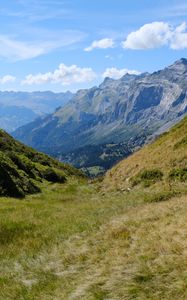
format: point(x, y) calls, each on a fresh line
point(74, 242)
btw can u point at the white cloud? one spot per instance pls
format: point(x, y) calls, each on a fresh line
point(7, 78)
point(64, 75)
point(179, 37)
point(100, 44)
point(149, 36)
point(118, 73)
point(157, 34)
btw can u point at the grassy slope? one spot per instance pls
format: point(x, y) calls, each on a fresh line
point(75, 241)
point(168, 154)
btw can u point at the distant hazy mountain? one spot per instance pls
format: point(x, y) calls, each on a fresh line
point(116, 111)
point(20, 108)
point(12, 117)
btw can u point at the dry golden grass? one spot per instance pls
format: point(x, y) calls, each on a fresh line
point(167, 153)
point(71, 242)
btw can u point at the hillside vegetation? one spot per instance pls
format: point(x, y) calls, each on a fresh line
point(22, 169)
point(121, 239)
point(161, 164)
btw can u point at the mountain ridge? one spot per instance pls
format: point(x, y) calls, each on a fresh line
point(115, 111)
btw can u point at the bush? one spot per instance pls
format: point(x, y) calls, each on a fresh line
point(147, 177)
point(14, 182)
point(24, 164)
point(54, 176)
point(179, 174)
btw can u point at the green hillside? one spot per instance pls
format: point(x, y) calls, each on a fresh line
point(22, 169)
point(122, 238)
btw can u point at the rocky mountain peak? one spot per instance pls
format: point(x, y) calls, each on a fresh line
point(106, 82)
point(180, 66)
point(128, 77)
point(182, 61)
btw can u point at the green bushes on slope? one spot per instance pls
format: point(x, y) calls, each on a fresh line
point(14, 182)
point(179, 174)
point(22, 168)
point(147, 177)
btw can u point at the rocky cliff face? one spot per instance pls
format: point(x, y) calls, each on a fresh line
point(116, 111)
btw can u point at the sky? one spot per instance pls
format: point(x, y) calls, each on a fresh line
point(62, 45)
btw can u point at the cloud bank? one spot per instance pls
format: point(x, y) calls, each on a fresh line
point(157, 34)
point(64, 75)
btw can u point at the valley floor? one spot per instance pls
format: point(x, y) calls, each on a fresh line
point(74, 242)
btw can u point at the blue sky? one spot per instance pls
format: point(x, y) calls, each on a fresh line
point(64, 45)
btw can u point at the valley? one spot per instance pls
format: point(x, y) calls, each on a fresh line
point(93, 150)
point(120, 237)
point(128, 112)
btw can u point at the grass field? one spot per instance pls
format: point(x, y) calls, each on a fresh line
point(74, 242)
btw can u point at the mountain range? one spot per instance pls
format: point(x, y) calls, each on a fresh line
point(20, 108)
point(126, 112)
point(122, 236)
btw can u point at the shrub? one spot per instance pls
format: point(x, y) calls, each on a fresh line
point(179, 174)
point(23, 163)
point(54, 176)
point(14, 182)
point(147, 177)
